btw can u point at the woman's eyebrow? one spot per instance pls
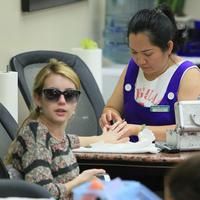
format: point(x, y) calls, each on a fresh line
point(146, 50)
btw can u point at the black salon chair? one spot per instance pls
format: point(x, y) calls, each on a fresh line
point(8, 187)
point(85, 122)
point(21, 188)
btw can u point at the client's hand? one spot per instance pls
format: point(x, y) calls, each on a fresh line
point(89, 174)
point(115, 133)
point(85, 176)
point(131, 129)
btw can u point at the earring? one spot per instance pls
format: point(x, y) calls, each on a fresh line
point(38, 109)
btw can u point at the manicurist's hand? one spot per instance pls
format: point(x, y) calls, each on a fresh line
point(108, 116)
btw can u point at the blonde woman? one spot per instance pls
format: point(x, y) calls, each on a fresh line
point(42, 151)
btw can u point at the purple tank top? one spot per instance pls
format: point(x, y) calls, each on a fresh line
point(134, 113)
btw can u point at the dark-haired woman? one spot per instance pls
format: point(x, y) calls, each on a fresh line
point(155, 77)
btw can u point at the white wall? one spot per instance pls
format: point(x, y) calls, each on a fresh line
point(192, 8)
point(58, 28)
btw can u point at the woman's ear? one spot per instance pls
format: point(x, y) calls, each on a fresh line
point(170, 45)
point(37, 100)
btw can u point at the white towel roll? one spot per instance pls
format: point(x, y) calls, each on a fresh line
point(9, 92)
point(93, 59)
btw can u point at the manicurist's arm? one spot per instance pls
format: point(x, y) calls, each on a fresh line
point(113, 110)
point(189, 85)
point(159, 131)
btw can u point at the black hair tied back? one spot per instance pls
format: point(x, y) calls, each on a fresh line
point(158, 23)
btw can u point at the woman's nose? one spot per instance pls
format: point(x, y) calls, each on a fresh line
point(62, 98)
point(140, 60)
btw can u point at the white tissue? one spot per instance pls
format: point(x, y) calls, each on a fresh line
point(146, 137)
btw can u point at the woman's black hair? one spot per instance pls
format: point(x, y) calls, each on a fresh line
point(159, 24)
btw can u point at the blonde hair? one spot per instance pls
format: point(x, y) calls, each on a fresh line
point(53, 67)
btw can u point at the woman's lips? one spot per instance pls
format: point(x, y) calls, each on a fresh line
point(60, 112)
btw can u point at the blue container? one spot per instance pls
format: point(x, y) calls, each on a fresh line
point(197, 24)
point(115, 190)
point(191, 46)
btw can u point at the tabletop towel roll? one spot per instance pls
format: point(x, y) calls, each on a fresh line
point(9, 92)
point(93, 59)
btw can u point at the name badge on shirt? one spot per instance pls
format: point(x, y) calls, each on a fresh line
point(160, 108)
